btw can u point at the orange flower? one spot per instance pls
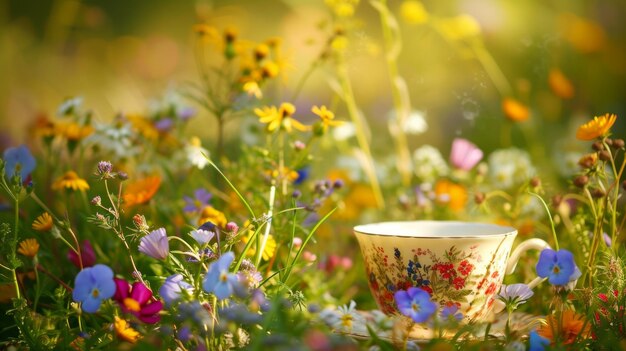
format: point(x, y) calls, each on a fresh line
point(515, 110)
point(596, 128)
point(29, 247)
point(141, 191)
point(452, 194)
point(73, 131)
point(210, 214)
point(560, 85)
point(71, 181)
point(568, 330)
point(283, 173)
point(43, 223)
point(125, 331)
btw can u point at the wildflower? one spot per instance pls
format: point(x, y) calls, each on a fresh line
point(29, 247)
point(105, 170)
point(509, 167)
point(155, 244)
point(125, 331)
point(196, 155)
point(218, 280)
point(69, 106)
point(413, 12)
point(537, 342)
point(465, 155)
point(560, 85)
point(202, 236)
point(514, 295)
point(451, 313)
point(70, 181)
point(557, 266)
point(232, 227)
point(515, 110)
point(342, 8)
point(172, 288)
point(114, 139)
point(43, 223)
point(459, 27)
point(201, 198)
point(596, 128)
point(569, 327)
point(141, 191)
point(281, 117)
point(92, 285)
point(451, 194)
point(268, 251)
point(581, 181)
point(584, 35)
point(73, 132)
point(327, 118)
point(344, 132)
point(210, 214)
point(415, 303)
point(252, 89)
point(18, 160)
point(429, 164)
point(87, 255)
point(138, 301)
point(588, 161)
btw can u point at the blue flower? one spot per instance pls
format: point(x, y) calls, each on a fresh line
point(558, 266)
point(155, 244)
point(198, 202)
point(514, 295)
point(218, 280)
point(18, 159)
point(450, 313)
point(92, 285)
point(415, 303)
point(537, 342)
point(172, 288)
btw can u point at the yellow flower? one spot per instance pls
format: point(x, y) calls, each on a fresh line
point(144, 126)
point(73, 131)
point(596, 128)
point(43, 223)
point(342, 8)
point(125, 331)
point(283, 173)
point(413, 12)
point(451, 194)
point(43, 127)
point(569, 328)
point(210, 214)
point(71, 181)
point(279, 118)
point(270, 246)
point(515, 110)
point(327, 117)
point(269, 69)
point(459, 27)
point(29, 247)
point(560, 85)
point(141, 191)
point(252, 89)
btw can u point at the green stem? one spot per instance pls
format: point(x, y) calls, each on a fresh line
point(556, 241)
point(15, 239)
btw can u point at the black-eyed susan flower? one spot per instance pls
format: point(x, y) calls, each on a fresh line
point(596, 128)
point(124, 331)
point(28, 247)
point(515, 110)
point(70, 181)
point(281, 117)
point(210, 214)
point(43, 223)
point(327, 117)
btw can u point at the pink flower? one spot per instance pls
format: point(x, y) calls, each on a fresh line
point(465, 155)
point(138, 301)
point(87, 255)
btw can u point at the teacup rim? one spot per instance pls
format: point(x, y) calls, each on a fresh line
point(501, 230)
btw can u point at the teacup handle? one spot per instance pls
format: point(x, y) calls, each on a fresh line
point(530, 244)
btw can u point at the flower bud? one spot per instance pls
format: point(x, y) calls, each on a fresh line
point(232, 227)
point(581, 181)
point(598, 146)
point(588, 160)
point(122, 175)
point(338, 184)
point(598, 193)
point(604, 155)
point(96, 201)
point(299, 145)
point(618, 144)
point(479, 197)
point(557, 200)
point(535, 182)
point(104, 169)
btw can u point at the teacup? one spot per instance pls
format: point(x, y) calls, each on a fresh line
point(458, 263)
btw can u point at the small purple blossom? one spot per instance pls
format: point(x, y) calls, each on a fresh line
point(172, 288)
point(18, 160)
point(155, 244)
point(451, 313)
point(607, 239)
point(164, 125)
point(198, 202)
point(87, 255)
point(415, 303)
point(465, 155)
point(202, 236)
point(514, 295)
point(186, 113)
point(92, 285)
point(558, 266)
point(218, 280)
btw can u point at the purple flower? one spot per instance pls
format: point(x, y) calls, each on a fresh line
point(200, 200)
point(218, 280)
point(186, 113)
point(537, 342)
point(514, 295)
point(607, 239)
point(155, 244)
point(465, 155)
point(87, 255)
point(18, 159)
point(92, 285)
point(451, 313)
point(558, 266)
point(138, 301)
point(202, 236)
point(164, 124)
point(415, 303)
point(172, 288)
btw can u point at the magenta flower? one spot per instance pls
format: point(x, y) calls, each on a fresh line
point(465, 155)
point(138, 301)
point(87, 255)
point(155, 244)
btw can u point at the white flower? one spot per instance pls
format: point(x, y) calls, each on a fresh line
point(69, 105)
point(202, 236)
point(196, 154)
point(344, 131)
point(114, 140)
point(429, 164)
point(415, 123)
point(345, 319)
point(509, 167)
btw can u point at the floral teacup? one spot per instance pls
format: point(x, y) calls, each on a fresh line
point(458, 263)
